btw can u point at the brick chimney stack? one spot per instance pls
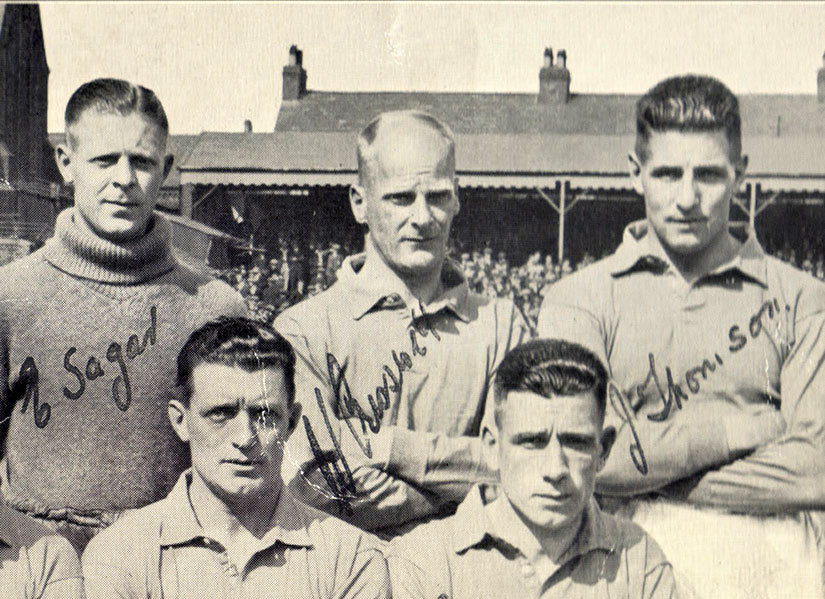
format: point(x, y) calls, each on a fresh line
point(820, 82)
point(554, 80)
point(295, 77)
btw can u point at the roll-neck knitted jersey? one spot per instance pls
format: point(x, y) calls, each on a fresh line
point(90, 331)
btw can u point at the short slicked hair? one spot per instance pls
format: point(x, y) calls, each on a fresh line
point(236, 341)
point(688, 103)
point(552, 368)
point(366, 151)
point(114, 96)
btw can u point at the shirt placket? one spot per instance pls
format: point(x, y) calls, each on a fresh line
point(530, 576)
point(230, 570)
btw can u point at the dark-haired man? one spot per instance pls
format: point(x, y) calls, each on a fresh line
point(90, 325)
point(229, 528)
point(544, 535)
point(718, 356)
point(401, 352)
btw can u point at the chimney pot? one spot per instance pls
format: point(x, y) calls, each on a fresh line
point(561, 59)
point(247, 126)
point(554, 81)
point(294, 75)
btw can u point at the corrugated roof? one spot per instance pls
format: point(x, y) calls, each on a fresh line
point(506, 114)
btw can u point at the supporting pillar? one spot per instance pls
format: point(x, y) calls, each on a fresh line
point(754, 195)
point(562, 187)
point(186, 191)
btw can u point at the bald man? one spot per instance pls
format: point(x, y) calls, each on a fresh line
point(396, 359)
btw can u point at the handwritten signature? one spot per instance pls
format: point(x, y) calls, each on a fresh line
point(674, 394)
point(27, 385)
point(339, 479)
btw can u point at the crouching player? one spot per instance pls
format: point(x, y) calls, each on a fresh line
point(229, 528)
point(544, 535)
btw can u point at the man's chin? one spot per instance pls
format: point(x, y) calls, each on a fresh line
point(684, 245)
point(121, 230)
point(420, 261)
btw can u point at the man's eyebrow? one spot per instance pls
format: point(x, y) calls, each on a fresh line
point(432, 186)
point(578, 437)
point(530, 436)
point(711, 169)
point(109, 156)
point(665, 170)
point(231, 404)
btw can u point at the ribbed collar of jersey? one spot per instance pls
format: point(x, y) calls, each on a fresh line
point(79, 253)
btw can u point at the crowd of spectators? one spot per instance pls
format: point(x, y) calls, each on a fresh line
point(808, 254)
point(274, 281)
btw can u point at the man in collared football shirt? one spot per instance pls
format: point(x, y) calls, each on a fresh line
point(229, 528)
point(544, 535)
point(718, 356)
point(35, 563)
point(396, 359)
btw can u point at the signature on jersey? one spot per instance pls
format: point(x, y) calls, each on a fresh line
point(672, 394)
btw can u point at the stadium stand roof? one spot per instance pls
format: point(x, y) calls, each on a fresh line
point(502, 139)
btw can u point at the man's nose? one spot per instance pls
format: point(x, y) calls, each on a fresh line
point(688, 195)
point(555, 466)
point(124, 172)
point(422, 214)
point(245, 430)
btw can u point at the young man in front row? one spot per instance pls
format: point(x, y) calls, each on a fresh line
point(229, 528)
point(544, 535)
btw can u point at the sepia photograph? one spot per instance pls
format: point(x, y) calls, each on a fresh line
point(426, 300)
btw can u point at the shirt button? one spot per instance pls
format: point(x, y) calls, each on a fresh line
point(527, 570)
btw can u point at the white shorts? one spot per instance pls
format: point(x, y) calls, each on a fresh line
point(717, 554)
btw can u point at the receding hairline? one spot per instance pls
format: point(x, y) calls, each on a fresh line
point(386, 122)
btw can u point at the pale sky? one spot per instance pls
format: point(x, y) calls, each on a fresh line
point(213, 65)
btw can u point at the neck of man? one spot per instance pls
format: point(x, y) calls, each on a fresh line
point(425, 286)
point(556, 541)
point(233, 518)
point(695, 265)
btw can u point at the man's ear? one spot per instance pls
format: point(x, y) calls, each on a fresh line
point(358, 204)
point(489, 446)
point(168, 162)
point(177, 416)
point(740, 168)
point(294, 417)
point(63, 157)
point(634, 167)
point(455, 193)
point(608, 438)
